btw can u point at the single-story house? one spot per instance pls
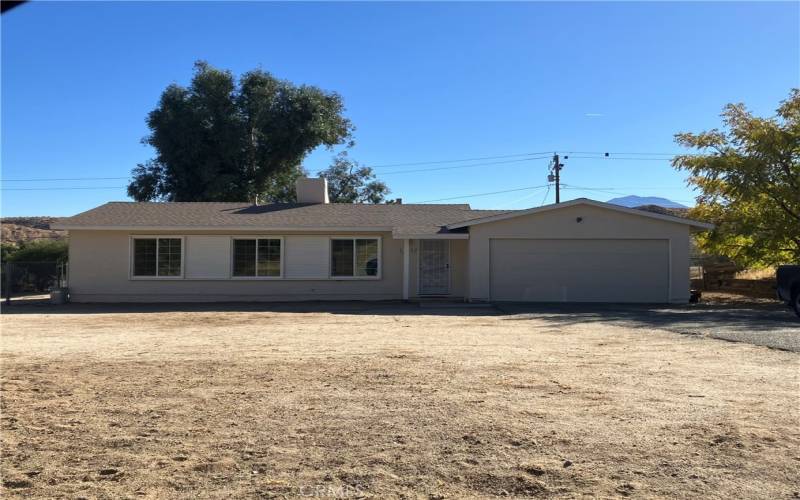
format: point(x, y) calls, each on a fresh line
point(577, 251)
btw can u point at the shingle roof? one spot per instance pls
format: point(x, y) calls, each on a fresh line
point(571, 203)
point(402, 219)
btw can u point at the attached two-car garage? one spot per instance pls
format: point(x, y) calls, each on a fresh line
point(579, 270)
point(579, 251)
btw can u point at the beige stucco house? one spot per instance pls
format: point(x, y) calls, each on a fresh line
point(577, 251)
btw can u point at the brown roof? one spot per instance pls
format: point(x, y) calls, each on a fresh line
point(402, 219)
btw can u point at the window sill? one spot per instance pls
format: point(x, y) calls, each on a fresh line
point(156, 278)
point(354, 278)
point(255, 278)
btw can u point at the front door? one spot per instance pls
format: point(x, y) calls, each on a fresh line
point(434, 267)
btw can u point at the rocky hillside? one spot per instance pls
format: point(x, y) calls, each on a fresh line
point(676, 212)
point(18, 229)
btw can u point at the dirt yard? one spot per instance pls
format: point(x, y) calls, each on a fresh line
point(393, 401)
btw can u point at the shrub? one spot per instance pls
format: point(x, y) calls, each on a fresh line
point(40, 251)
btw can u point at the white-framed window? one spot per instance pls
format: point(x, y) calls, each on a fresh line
point(256, 257)
point(355, 257)
point(157, 257)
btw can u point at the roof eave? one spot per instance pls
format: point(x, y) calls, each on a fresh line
point(431, 236)
point(581, 201)
point(353, 229)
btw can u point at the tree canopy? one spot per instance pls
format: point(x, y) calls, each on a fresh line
point(349, 182)
point(223, 140)
point(749, 179)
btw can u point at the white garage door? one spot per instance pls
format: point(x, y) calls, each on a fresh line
point(534, 270)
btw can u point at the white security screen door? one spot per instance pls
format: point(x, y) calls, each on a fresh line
point(434, 267)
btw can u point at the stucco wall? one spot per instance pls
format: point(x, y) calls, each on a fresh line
point(100, 263)
point(596, 223)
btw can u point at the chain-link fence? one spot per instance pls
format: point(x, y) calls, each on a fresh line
point(20, 279)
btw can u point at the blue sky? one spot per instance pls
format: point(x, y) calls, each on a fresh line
point(422, 82)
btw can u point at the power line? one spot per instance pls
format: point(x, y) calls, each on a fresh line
point(65, 179)
point(602, 153)
point(382, 174)
point(631, 154)
point(528, 156)
point(618, 158)
point(483, 194)
point(63, 188)
point(545, 195)
point(510, 204)
point(462, 166)
point(111, 187)
point(455, 161)
point(433, 162)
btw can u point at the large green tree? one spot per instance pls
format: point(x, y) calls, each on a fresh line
point(223, 140)
point(749, 181)
point(349, 182)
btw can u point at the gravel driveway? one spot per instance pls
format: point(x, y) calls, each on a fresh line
point(766, 324)
point(770, 325)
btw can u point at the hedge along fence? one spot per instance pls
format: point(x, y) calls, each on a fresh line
point(22, 278)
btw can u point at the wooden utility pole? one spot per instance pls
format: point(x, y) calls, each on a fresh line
point(557, 168)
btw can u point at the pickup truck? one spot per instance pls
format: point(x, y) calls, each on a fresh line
point(789, 286)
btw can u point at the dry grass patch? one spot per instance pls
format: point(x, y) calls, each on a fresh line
point(243, 403)
point(756, 274)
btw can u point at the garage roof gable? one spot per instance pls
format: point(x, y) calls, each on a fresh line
point(580, 201)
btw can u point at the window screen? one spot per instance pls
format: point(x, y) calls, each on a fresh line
point(157, 257)
point(366, 257)
point(355, 257)
point(269, 258)
point(144, 257)
point(244, 257)
point(257, 257)
point(341, 257)
point(169, 256)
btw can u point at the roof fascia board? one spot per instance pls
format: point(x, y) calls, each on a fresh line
point(581, 201)
point(455, 236)
point(72, 227)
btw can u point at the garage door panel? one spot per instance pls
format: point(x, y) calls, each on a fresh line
point(542, 270)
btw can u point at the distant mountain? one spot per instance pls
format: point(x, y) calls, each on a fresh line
point(634, 201)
